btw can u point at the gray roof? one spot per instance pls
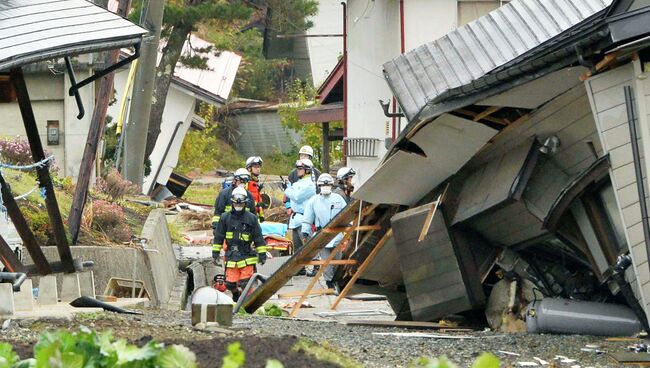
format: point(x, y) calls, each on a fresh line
point(437, 70)
point(36, 30)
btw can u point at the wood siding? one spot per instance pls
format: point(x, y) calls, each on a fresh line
point(431, 269)
point(607, 101)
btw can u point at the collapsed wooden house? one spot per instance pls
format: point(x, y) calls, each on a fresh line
point(524, 155)
point(37, 31)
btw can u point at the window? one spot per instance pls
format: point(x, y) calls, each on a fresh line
point(7, 92)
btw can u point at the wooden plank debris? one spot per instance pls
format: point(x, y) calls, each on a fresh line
point(639, 359)
point(294, 294)
point(363, 267)
point(417, 325)
point(333, 262)
point(296, 262)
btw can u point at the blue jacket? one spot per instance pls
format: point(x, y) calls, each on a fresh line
point(299, 193)
point(319, 210)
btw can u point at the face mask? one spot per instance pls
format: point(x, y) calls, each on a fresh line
point(238, 208)
point(326, 190)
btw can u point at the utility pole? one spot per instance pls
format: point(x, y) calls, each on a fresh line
point(95, 132)
point(136, 128)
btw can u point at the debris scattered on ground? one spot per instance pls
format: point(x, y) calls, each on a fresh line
point(420, 334)
point(508, 353)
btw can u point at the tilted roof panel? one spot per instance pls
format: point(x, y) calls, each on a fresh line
point(36, 30)
point(474, 50)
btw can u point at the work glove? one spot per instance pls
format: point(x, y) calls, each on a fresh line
point(305, 237)
point(215, 257)
point(262, 205)
point(261, 258)
point(284, 185)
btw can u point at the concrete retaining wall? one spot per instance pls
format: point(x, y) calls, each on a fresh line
point(158, 270)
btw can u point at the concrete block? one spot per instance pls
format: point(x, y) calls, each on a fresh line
point(87, 283)
point(70, 289)
point(24, 299)
point(7, 306)
point(47, 291)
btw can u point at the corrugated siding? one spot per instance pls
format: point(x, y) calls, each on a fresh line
point(263, 133)
point(32, 30)
point(432, 275)
point(472, 51)
point(608, 104)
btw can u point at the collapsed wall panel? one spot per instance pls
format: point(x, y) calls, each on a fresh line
point(432, 269)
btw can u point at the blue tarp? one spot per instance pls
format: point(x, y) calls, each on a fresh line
point(274, 228)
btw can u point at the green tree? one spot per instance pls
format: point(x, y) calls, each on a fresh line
point(181, 18)
point(302, 95)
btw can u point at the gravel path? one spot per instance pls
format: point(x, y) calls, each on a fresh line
point(355, 341)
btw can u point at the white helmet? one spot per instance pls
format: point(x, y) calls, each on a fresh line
point(325, 179)
point(345, 172)
point(239, 196)
point(242, 175)
point(254, 160)
point(306, 150)
point(305, 163)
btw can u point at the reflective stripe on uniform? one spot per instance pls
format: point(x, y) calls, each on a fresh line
point(262, 249)
point(217, 247)
point(229, 234)
point(231, 264)
point(241, 264)
point(228, 208)
point(245, 237)
point(215, 219)
point(250, 261)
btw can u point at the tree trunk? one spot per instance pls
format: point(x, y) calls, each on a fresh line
point(164, 73)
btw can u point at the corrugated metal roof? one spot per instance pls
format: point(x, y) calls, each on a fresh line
point(436, 70)
point(36, 30)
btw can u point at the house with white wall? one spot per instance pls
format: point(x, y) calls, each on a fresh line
point(189, 87)
point(378, 31)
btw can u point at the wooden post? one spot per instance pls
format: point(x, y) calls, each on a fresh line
point(363, 267)
point(9, 258)
point(17, 218)
point(45, 182)
point(326, 147)
point(95, 133)
point(296, 262)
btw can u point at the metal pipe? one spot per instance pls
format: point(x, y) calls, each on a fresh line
point(16, 278)
point(345, 80)
point(618, 275)
point(249, 285)
point(631, 119)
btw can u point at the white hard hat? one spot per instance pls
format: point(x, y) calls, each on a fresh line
point(306, 150)
point(345, 172)
point(253, 160)
point(305, 163)
point(325, 179)
point(239, 195)
point(242, 175)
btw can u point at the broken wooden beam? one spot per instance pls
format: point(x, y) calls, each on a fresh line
point(602, 64)
point(348, 229)
point(487, 112)
point(9, 258)
point(25, 233)
point(294, 294)
point(296, 262)
point(43, 172)
point(333, 262)
point(363, 267)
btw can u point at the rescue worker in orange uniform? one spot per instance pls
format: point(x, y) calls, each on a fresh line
point(254, 167)
point(240, 229)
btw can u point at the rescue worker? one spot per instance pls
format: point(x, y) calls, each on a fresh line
point(298, 194)
point(254, 167)
point(240, 229)
point(319, 210)
point(305, 152)
point(222, 203)
point(344, 186)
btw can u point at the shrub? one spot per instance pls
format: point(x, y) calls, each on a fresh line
point(16, 151)
point(115, 187)
point(38, 220)
point(109, 218)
